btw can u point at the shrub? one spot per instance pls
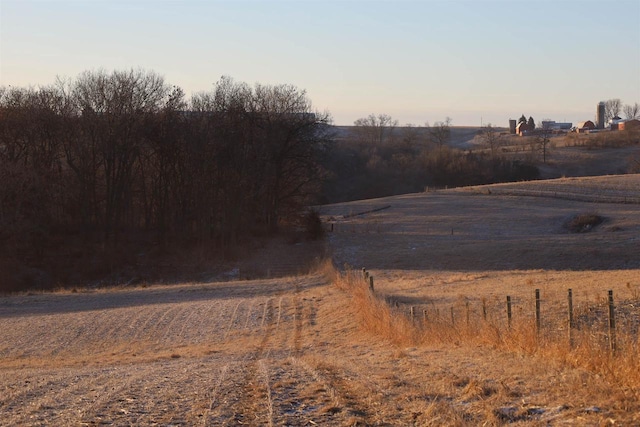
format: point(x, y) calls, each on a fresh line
point(313, 225)
point(583, 223)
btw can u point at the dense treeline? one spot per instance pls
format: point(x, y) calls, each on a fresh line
point(109, 155)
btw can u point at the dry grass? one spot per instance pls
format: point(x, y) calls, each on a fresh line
point(323, 350)
point(589, 350)
point(454, 258)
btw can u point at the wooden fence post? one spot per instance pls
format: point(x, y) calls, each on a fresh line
point(371, 283)
point(412, 312)
point(612, 323)
point(570, 300)
point(509, 310)
point(453, 320)
point(468, 313)
point(424, 313)
point(484, 309)
point(538, 311)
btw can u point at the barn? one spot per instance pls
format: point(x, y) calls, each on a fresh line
point(522, 128)
point(585, 126)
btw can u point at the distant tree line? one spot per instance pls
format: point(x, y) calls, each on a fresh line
point(122, 152)
point(409, 159)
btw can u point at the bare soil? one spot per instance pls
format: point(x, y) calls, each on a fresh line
point(292, 351)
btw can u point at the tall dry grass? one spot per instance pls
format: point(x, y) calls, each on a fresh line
point(589, 348)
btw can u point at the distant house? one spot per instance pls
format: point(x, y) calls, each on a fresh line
point(585, 126)
point(630, 124)
point(522, 128)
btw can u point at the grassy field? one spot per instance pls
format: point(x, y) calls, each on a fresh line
point(321, 349)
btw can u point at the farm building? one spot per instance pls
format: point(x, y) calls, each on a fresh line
point(613, 122)
point(585, 126)
point(553, 125)
point(630, 124)
point(522, 128)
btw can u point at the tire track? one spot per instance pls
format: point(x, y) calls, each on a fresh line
point(297, 320)
point(247, 395)
point(232, 320)
point(214, 395)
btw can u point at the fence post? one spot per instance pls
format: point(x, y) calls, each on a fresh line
point(468, 313)
point(424, 313)
point(509, 311)
point(612, 323)
point(453, 321)
point(412, 312)
point(537, 311)
point(484, 309)
point(371, 283)
point(570, 298)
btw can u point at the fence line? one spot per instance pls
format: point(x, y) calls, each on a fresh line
point(590, 320)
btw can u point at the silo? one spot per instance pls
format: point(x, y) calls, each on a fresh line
point(512, 127)
point(600, 116)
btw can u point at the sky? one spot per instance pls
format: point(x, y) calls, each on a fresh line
point(477, 62)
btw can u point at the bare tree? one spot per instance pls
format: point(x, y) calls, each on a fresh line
point(114, 108)
point(491, 139)
point(410, 136)
point(440, 132)
point(375, 129)
point(612, 108)
point(632, 111)
point(543, 142)
point(293, 133)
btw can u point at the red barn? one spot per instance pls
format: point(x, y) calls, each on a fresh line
point(522, 128)
point(585, 126)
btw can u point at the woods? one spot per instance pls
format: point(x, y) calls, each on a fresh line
point(109, 155)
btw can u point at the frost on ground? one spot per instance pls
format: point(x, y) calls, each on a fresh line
point(277, 352)
point(292, 351)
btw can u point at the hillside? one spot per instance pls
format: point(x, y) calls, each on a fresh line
point(309, 350)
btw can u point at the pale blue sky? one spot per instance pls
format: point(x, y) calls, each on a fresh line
point(415, 60)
